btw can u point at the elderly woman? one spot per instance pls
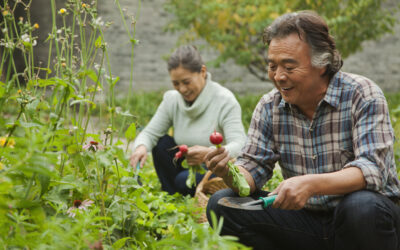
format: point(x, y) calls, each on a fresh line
point(197, 107)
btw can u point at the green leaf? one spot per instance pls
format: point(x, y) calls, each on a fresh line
point(126, 113)
point(29, 124)
point(83, 101)
point(115, 80)
point(141, 205)
point(73, 149)
point(38, 215)
point(43, 105)
point(130, 133)
point(90, 73)
point(2, 89)
point(44, 184)
point(120, 243)
point(98, 42)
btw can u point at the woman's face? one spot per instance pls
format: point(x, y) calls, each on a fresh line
point(188, 84)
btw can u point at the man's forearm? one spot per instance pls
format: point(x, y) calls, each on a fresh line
point(341, 182)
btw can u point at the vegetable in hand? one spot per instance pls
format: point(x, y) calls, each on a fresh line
point(238, 179)
point(191, 180)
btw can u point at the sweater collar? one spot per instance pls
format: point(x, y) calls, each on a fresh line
point(201, 102)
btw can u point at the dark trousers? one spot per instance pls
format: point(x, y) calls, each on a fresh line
point(363, 220)
point(172, 176)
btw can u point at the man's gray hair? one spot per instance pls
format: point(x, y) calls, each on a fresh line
point(311, 28)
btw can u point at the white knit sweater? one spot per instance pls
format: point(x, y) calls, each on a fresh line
point(216, 108)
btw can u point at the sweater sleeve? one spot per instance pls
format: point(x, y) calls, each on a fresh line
point(230, 120)
point(158, 125)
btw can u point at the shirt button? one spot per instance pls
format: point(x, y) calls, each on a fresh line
point(314, 157)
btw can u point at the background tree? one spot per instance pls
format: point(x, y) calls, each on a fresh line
point(234, 27)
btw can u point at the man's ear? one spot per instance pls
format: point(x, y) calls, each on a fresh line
point(203, 71)
point(323, 70)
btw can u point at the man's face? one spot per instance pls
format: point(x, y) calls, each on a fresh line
point(289, 67)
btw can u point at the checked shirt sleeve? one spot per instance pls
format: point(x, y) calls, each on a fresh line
point(372, 140)
point(258, 155)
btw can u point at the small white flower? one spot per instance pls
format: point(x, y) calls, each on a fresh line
point(25, 38)
point(8, 45)
point(98, 22)
point(59, 31)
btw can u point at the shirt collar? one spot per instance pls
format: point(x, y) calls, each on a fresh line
point(283, 103)
point(334, 91)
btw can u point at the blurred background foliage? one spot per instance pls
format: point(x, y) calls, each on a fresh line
point(234, 28)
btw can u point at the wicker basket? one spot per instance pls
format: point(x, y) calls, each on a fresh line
point(206, 187)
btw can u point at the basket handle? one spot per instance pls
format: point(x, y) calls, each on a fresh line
point(204, 180)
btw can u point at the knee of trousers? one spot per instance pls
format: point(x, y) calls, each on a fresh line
point(362, 210)
point(165, 142)
point(212, 204)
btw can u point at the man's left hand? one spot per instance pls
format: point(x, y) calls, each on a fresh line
point(293, 193)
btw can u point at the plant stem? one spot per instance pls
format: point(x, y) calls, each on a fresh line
point(14, 125)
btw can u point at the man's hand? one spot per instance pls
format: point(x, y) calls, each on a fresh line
point(139, 155)
point(216, 161)
point(196, 155)
point(293, 193)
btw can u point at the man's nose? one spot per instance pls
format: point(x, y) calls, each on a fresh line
point(280, 74)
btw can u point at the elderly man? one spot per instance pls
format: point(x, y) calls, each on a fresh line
point(330, 131)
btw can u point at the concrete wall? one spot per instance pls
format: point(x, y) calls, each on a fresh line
point(379, 60)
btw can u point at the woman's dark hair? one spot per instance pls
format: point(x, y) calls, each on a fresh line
point(186, 56)
point(313, 29)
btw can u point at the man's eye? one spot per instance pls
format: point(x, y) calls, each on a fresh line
point(289, 68)
point(186, 82)
point(272, 67)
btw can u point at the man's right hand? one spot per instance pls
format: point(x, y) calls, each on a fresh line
point(139, 155)
point(216, 161)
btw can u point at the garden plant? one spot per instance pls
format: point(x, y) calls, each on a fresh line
point(67, 184)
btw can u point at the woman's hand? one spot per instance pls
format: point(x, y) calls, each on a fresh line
point(196, 155)
point(139, 155)
point(216, 161)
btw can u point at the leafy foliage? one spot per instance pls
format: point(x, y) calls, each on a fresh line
point(234, 28)
point(65, 179)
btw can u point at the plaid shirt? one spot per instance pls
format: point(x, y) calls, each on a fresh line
point(351, 127)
